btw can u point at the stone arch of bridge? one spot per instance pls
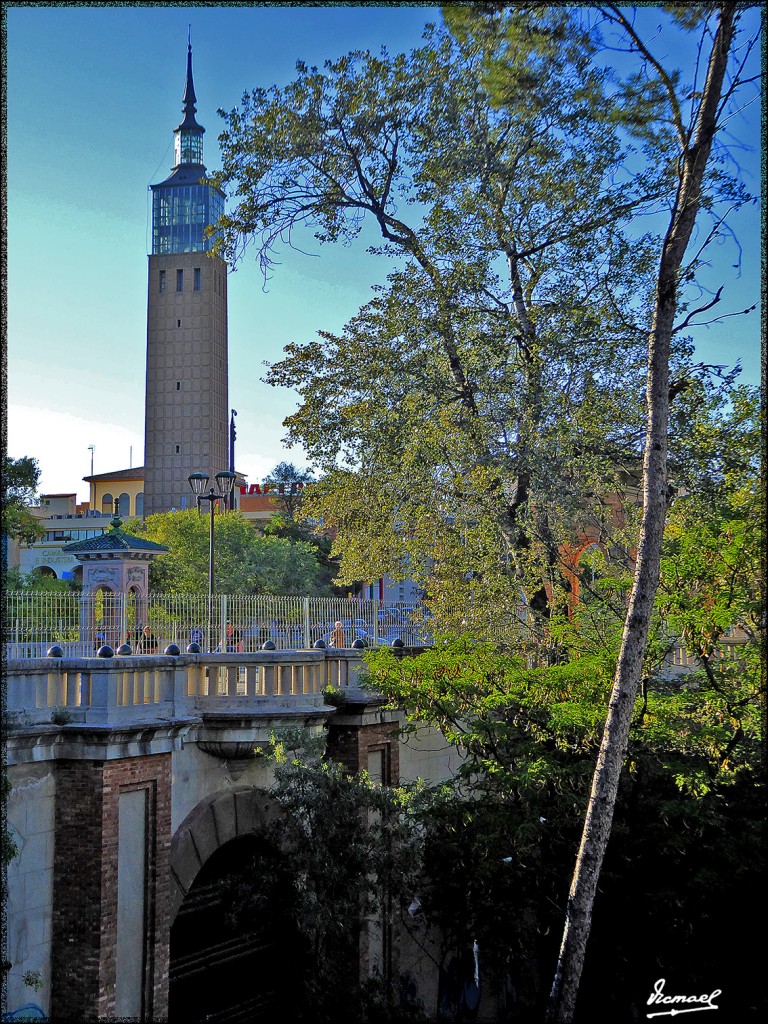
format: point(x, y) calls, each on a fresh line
point(224, 967)
point(216, 820)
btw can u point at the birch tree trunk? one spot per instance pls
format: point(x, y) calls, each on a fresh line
point(694, 155)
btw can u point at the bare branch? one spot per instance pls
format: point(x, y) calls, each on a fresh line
point(615, 14)
point(695, 312)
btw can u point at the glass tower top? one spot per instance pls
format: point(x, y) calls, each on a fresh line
point(182, 207)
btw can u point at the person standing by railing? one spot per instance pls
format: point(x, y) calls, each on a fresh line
point(148, 642)
point(234, 638)
point(338, 637)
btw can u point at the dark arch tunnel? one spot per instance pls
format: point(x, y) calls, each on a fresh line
point(228, 961)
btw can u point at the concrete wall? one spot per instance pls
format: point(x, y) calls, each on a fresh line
point(31, 817)
point(426, 755)
point(196, 775)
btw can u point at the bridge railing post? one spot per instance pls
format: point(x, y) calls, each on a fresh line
point(103, 692)
point(180, 688)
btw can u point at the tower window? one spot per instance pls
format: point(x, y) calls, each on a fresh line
point(178, 323)
point(162, 280)
point(179, 280)
point(178, 449)
point(178, 385)
point(197, 279)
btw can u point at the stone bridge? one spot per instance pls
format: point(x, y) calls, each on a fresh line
point(136, 783)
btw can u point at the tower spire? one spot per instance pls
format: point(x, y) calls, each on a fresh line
point(189, 100)
point(188, 136)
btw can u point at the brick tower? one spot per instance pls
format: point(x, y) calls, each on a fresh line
point(185, 424)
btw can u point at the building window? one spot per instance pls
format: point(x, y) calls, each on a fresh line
point(178, 385)
point(178, 323)
point(197, 279)
point(162, 280)
point(179, 280)
point(178, 449)
point(140, 503)
point(106, 504)
point(125, 504)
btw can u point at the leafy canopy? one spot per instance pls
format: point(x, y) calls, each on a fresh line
point(245, 560)
point(492, 391)
point(21, 478)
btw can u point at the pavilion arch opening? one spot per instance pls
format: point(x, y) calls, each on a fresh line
point(134, 615)
point(231, 960)
point(104, 617)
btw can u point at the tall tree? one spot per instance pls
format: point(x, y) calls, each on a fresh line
point(695, 140)
point(21, 478)
point(471, 386)
point(505, 378)
point(529, 740)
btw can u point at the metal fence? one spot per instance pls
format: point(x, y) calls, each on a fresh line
point(81, 624)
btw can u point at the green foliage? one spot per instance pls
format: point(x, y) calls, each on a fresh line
point(298, 531)
point(8, 851)
point(9, 848)
point(483, 409)
point(21, 478)
point(494, 387)
point(333, 696)
point(33, 980)
point(349, 847)
point(15, 579)
point(246, 561)
point(499, 844)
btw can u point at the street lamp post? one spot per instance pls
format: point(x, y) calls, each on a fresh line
point(225, 481)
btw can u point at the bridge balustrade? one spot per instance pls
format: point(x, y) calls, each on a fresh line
point(132, 689)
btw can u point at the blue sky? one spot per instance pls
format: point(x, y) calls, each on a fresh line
point(93, 96)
